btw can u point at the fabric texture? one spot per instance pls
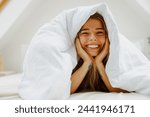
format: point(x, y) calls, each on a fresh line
point(51, 57)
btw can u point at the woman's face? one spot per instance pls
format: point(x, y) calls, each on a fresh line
point(92, 36)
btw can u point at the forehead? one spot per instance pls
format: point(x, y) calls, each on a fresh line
point(92, 23)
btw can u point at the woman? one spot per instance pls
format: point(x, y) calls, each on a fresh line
point(92, 45)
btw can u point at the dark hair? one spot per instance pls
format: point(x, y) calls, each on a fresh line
point(92, 80)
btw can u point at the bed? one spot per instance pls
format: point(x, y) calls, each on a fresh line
point(9, 85)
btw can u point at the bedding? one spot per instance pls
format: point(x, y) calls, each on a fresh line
point(51, 57)
point(9, 86)
point(9, 91)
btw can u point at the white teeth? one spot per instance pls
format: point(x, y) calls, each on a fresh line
point(92, 46)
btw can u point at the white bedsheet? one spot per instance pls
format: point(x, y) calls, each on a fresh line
point(108, 96)
point(9, 91)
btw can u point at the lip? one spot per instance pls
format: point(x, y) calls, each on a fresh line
point(93, 46)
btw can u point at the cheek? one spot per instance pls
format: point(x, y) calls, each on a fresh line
point(101, 41)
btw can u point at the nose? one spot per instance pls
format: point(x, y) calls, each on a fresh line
point(92, 37)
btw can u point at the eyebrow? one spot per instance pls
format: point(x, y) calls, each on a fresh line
point(99, 28)
point(88, 29)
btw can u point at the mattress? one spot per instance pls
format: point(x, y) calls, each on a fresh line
point(9, 87)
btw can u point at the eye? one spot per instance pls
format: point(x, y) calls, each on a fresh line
point(101, 33)
point(84, 33)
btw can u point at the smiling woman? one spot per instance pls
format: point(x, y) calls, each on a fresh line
point(3, 3)
point(92, 46)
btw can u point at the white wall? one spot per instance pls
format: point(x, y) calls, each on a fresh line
point(131, 23)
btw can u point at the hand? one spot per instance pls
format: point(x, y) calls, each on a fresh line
point(82, 53)
point(103, 53)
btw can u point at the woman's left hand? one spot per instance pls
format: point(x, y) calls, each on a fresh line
point(105, 51)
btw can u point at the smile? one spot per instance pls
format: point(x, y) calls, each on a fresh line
point(93, 46)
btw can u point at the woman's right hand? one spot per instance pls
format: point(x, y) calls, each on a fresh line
point(78, 76)
point(82, 53)
point(104, 53)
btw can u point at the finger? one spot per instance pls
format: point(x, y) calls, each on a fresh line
point(78, 45)
point(106, 48)
point(80, 50)
point(108, 44)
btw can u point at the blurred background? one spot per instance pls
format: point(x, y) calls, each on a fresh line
point(20, 19)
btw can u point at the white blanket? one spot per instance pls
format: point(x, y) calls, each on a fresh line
point(51, 57)
point(9, 91)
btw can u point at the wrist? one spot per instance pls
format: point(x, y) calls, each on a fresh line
point(100, 65)
point(87, 63)
point(98, 62)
